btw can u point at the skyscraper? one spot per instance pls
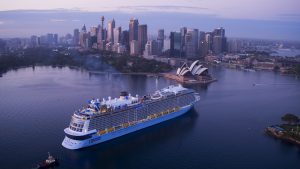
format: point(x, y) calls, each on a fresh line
point(219, 41)
point(160, 39)
point(175, 44)
point(76, 37)
point(142, 37)
point(183, 31)
point(83, 37)
point(133, 29)
point(55, 39)
point(134, 47)
point(151, 48)
point(117, 34)
point(110, 31)
point(50, 39)
point(201, 44)
point(191, 43)
point(125, 39)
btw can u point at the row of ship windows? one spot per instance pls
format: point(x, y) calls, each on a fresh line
point(75, 129)
point(117, 120)
point(76, 125)
point(123, 117)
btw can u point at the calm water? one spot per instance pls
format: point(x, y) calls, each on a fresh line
point(225, 130)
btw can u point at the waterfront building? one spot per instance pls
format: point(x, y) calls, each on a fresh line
point(175, 44)
point(142, 37)
point(219, 41)
point(195, 73)
point(76, 37)
point(110, 31)
point(201, 44)
point(134, 48)
point(133, 29)
point(217, 44)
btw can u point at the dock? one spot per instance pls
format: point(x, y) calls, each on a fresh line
point(185, 80)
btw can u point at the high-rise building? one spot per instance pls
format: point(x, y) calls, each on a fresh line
point(133, 29)
point(217, 44)
point(219, 32)
point(34, 41)
point(219, 41)
point(76, 37)
point(201, 44)
point(134, 47)
point(117, 34)
point(55, 39)
point(191, 43)
point(83, 38)
point(110, 31)
point(142, 37)
point(93, 31)
point(160, 39)
point(50, 39)
point(183, 31)
point(125, 39)
point(175, 44)
point(151, 48)
point(93, 36)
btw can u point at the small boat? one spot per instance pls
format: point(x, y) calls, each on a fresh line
point(48, 163)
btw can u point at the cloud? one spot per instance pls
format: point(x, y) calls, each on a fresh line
point(75, 20)
point(163, 8)
point(1, 22)
point(57, 20)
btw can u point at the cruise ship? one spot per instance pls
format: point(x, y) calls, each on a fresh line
point(106, 119)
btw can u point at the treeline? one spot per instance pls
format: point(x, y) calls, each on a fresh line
point(38, 56)
point(63, 57)
point(128, 64)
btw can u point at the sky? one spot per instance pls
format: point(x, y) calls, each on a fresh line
point(270, 19)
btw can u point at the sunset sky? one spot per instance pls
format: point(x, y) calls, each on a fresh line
point(282, 15)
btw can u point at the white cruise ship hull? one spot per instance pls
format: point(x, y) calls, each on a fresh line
point(96, 139)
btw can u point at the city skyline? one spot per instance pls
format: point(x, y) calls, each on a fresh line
point(27, 23)
point(248, 19)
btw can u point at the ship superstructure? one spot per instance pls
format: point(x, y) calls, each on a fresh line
point(103, 120)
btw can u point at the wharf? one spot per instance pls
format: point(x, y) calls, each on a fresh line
point(189, 80)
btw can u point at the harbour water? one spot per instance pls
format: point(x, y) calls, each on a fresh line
point(225, 129)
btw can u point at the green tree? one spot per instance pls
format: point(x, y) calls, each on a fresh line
point(290, 118)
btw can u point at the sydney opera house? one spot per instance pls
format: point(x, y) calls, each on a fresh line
point(195, 73)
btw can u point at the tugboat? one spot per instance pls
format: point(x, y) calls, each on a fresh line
point(48, 163)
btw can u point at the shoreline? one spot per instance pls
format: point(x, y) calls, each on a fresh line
point(281, 135)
